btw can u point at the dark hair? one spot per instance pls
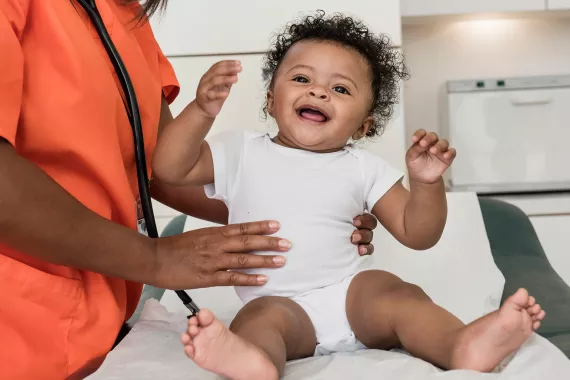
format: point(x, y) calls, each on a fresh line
point(386, 63)
point(149, 7)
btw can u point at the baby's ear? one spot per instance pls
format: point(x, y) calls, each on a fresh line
point(270, 102)
point(364, 128)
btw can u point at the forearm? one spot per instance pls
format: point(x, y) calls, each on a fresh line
point(180, 147)
point(425, 214)
point(41, 219)
point(190, 200)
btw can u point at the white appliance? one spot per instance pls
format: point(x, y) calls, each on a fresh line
point(512, 135)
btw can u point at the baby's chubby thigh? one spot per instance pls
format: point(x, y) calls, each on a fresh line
point(279, 326)
point(373, 300)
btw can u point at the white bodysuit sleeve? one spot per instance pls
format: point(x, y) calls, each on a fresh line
point(379, 177)
point(227, 149)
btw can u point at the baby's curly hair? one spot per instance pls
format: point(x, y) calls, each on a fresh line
point(386, 63)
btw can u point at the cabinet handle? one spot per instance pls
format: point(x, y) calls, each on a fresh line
point(530, 102)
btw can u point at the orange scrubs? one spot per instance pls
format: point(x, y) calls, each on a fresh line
point(61, 109)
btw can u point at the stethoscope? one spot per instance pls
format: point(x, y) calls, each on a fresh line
point(132, 108)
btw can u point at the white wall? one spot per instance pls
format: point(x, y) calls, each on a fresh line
point(448, 50)
point(245, 26)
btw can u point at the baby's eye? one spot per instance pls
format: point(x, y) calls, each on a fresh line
point(301, 80)
point(341, 90)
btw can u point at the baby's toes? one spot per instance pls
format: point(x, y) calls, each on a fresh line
point(193, 331)
point(193, 322)
point(539, 316)
point(531, 301)
point(534, 310)
point(536, 325)
point(186, 339)
point(189, 351)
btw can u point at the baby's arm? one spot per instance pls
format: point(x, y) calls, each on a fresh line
point(182, 157)
point(417, 217)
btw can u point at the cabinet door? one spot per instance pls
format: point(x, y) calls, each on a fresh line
point(246, 26)
point(243, 109)
point(555, 239)
point(445, 7)
point(558, 4)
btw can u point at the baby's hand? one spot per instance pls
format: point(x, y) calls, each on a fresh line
point(215, 86)
point(428, 157)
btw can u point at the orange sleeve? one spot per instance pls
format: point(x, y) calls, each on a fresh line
point(12, 22)
point(170, 85)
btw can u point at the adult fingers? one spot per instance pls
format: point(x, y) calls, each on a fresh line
point(248, 261)
point(366, 221)
point(362, 237)
point(267, 227)
point(366, 249)
point(252, 243)
point(231, 278)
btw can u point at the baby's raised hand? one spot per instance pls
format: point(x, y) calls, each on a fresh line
point(215, 86)
point(428, 157)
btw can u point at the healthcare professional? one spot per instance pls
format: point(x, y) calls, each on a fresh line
point(71, 260)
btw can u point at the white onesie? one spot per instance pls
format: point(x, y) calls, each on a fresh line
point(314, 196)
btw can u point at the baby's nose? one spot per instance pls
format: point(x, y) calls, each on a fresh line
point(319, 92)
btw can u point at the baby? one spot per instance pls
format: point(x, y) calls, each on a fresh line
point(331, 82)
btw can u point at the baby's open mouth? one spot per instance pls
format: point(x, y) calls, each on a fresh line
point(313, 114)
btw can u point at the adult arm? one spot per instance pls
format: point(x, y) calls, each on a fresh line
point(40, 218)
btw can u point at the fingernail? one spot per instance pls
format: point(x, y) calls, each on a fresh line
point(274, 225)
point(261, 279)
point(356, 238)
point(279, 260)
point(284, 244)
point(357, 223)
point(364, 251)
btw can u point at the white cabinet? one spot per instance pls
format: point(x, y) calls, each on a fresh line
point(246, 26)
point(447, 7)
point(558, 4)
point(554, 235)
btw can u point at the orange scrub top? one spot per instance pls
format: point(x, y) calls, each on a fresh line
point(61, 109)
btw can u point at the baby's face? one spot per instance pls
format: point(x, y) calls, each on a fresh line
point(321, 96)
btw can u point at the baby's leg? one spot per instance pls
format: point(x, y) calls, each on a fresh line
point(385, 312)
point(265, 333)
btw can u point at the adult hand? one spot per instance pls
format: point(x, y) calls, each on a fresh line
point(208, 257)
point(363, 235)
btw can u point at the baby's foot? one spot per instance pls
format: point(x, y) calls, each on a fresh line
point(215, 348)
point(483, 344)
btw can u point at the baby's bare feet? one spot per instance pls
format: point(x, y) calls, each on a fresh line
point(215, 348)
point(483, 344)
